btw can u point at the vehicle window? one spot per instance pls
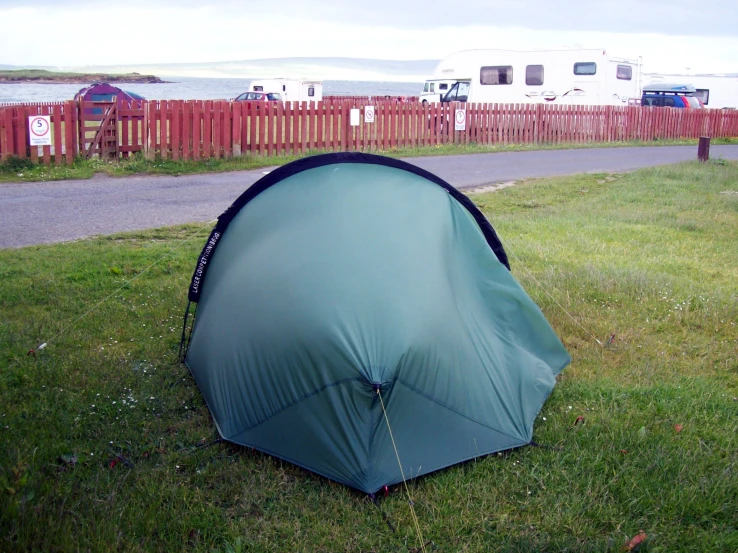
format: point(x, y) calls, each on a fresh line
point(458, 93)
point(451, 94)
point(443, 86)
point(625, 72)
point(534, 75)
point(311, 91)
point(274, 96)
point(433, 85)
point(657, 101)
point(585, 68)
point(669, 101)
point(425, 88)
point(496, 74)
point(243, 96)
point(703, 94)
point(258, 88)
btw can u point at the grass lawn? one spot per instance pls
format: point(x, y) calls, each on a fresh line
point(106, 444)
point(30, 75)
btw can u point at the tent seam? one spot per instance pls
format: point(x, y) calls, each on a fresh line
point(290, 460)
point(437, 402)
point(300, 399)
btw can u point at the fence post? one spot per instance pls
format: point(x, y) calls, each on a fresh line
point(703, 149)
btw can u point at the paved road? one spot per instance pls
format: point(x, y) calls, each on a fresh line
point(37, 213)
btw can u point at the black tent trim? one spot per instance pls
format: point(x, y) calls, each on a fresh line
point(321, 160)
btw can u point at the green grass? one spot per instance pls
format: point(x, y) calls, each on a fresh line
point(644, 262)
point(44, 75)
point(18, 170)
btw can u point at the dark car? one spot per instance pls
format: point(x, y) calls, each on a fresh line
point(259, 97)
point(670, 96)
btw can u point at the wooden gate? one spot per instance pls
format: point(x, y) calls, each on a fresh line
point(98, 129)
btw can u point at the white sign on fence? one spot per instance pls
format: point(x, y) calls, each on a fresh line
point(39, 130)
point(460, 120)
point(368, 114)
point(354, 117)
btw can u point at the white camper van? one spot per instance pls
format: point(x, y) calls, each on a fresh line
point(569, 76)
point(715, 91)
point(292, 90)
point(435, 89)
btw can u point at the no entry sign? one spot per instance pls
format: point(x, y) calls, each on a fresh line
point(460, 120)
point(368, 114)
point(39, 130)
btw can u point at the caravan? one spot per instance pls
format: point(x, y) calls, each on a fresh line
point(291, 90)
point(572, 76)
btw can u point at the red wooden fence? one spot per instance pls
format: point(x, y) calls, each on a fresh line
point(14, 132)
point(179, 129)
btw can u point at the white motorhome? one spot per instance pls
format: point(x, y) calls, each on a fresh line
point(567, 76)
point(715, 91)
point(435, 89)
point(292, 90)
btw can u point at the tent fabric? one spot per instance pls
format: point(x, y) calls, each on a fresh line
point(345, 274)
point(104, 92)
point(331, 159)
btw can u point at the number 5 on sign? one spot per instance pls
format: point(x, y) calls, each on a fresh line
point(39, 130)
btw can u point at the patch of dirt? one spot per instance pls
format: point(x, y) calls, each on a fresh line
point(489, 187)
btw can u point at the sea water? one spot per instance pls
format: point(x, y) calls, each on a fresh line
point(190, 88)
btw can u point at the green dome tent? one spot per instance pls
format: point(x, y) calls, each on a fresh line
point(341, 275)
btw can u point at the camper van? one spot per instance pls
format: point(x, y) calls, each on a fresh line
point(292, 90)
point(435, 89)
point(714, 91)
point(569, 76)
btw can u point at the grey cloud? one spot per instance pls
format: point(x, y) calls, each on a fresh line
point(670, 17)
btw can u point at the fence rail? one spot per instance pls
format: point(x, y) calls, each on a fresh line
point(203, 129)
point(370, 99)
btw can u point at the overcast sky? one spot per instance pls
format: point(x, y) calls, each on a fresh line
point(671, 35)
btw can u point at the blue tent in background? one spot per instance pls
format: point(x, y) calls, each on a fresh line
point(104, 92)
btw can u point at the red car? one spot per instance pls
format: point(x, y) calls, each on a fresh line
point(259, 97)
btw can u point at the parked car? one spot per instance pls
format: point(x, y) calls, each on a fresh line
point(259, 97)
point(670, 96)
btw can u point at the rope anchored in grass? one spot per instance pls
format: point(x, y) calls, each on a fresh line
point(508, 249)
point(121, 287)
point(402, 472)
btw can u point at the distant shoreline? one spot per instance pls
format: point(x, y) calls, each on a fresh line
point(25, 76)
